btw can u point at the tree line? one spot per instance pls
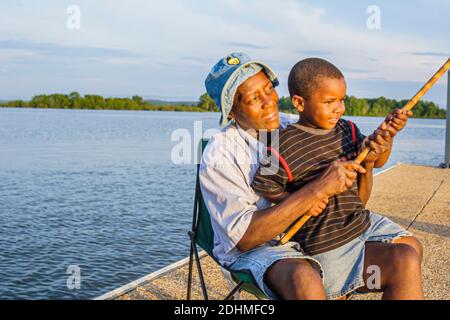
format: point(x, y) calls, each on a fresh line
point(94, 102)
point(377, 107)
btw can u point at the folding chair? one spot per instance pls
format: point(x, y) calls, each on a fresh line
point(202, 234)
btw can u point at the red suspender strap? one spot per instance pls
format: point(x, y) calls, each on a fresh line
point(282, 161)
point(352, 125)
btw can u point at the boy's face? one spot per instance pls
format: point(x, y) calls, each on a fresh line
point(325, 106)
point(256, 104)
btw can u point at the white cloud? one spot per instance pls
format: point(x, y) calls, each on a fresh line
point(176, 42)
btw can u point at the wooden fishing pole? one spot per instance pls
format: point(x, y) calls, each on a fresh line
point(411, 103)
point(360, 158)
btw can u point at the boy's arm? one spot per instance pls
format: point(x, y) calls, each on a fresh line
point(384, 135)
point(383, 158)
point(365, 183)
point(380, 143)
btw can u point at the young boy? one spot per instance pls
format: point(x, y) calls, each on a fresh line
point(306, 149)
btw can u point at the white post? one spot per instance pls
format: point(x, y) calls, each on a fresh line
point(447, 127)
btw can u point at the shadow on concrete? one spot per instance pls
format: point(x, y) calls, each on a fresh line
point(437, 229)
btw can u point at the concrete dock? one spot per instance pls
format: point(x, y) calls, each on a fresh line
point(416, 197)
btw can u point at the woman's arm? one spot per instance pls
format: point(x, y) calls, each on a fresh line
point(276, 198)
point(268, 223)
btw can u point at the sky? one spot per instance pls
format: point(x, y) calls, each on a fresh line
point(165, 49)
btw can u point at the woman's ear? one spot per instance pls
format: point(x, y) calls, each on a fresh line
point(298, 102)
point(231, 114)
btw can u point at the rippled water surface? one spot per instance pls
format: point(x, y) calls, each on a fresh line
point(98, 190)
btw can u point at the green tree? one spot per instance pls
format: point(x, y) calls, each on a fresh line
point(74, 95)
point(207, 103)
point(137, 99)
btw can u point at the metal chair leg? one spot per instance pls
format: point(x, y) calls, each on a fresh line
point(191, 261)
point(230, 282)
point(232, 292)
point(199, 270)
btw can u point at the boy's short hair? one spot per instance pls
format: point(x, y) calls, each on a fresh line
point(305, 75)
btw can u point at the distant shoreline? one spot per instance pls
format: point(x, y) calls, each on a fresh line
point(159, 108)
point(200, 110)
point(368, 107)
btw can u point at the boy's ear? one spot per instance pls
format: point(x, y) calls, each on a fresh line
point(298, 102)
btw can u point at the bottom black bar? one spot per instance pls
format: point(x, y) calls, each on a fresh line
point(174, 310)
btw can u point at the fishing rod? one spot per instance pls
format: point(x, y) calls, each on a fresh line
point(360, 158)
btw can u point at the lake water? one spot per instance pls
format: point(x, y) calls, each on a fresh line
point(98, 190)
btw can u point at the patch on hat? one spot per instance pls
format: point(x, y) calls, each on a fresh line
point(233, 61)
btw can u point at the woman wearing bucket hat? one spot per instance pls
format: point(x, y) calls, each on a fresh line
point(246, 226)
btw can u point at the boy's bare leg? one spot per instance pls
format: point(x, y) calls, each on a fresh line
point(400, 269)
point(295, 279)
point(413, 242)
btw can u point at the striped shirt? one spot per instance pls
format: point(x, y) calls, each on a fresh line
point(307, 152)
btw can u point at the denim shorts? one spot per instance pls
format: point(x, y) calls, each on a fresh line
point(259, 259)
point(344, 266)
point(341, 269)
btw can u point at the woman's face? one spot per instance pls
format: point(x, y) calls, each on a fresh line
point(256, 104)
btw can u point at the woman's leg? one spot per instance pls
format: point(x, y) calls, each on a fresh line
point(295, 279)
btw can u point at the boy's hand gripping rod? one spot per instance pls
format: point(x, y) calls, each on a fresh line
point(360, 158)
